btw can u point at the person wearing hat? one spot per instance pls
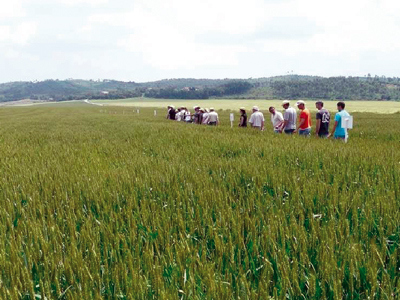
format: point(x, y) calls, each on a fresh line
point(305, 119)
point(179, 114)
point(213, 117)
point(257, 119)
point(323, 119)
point(289, 118)
point(196, 114)
point(171, 113)
point(243, 117)
point(206, 117)
point(276, 119)
point(187, 116)
point(201, 113)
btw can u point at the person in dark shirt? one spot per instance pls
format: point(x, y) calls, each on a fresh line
point(201, 113)
point(323, 120)
point(196, 115)
point(243, 117)
point(172, 113)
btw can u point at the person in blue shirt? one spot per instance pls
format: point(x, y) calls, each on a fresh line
point(338, 132)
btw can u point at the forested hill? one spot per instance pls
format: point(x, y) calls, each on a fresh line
point(281, 87)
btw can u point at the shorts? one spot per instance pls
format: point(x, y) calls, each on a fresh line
point(212, 123)
point(289, 131)
point(305, 132)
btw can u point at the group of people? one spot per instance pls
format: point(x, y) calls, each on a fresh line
point(287, 122)
point(202, 116)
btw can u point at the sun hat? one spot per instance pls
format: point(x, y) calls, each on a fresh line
point(194, 107)
point(172, 106)
point(255, 108)
point(242, 108)
point(300, 102)
point(285, 102)
point(319, 102)
point(211, 108)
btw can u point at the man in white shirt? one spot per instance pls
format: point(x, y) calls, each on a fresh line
point(290, 118)
point(180, 116)
point(206, 117)
point(276, 119)
point(257, 119)
point(213, 117)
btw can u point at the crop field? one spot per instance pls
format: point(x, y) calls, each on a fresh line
point(228, 104)
point(105, 203)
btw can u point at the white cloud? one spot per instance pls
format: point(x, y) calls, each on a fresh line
point(24, 32)
point(5, 33)
point(345, 28)
point(20, 34)
point(11, 9)
point(165, 31)
point(18, 55)
point(80, 2)
point(207, 38)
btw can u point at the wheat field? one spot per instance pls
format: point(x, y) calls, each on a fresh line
point(106, 203)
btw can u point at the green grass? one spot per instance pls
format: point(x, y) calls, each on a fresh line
point(234, 104)
point(120, 205)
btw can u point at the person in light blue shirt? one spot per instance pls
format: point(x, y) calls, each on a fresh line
point(338, 132)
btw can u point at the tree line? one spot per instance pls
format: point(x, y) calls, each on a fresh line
point(280, 87)
point(227, 89)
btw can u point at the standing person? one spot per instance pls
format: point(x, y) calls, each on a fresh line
point(289, 118)
point(201, 113)
point(169, 108)
point(188, 116)
point(196, 115)
point(206, 117)
point(276, 119)
point(171, 113)
point(338, 132)
point(323, 119)
point(305, 119)
point(213, 117)
point(257, 119)
point(243, 117)
point(178, 116)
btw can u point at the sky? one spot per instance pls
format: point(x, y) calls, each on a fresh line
point(147, 40)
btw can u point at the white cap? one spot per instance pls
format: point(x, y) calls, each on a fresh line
point(255, 107)
point(194, 107)
point(300, 102)
point(242, 108)
point(172, 106)
point(285, 102)
point(211, 108)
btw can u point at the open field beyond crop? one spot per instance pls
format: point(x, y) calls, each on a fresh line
point(104, 203)
point(234, 104)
